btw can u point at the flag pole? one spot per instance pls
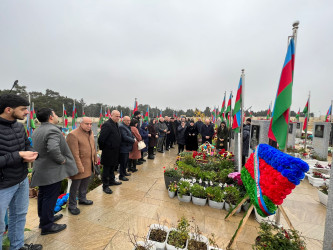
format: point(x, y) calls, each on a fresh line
point(331, 111)
point(63, 115)
point(28, 116)
point(240, 141)
point(230, 129)
point(307, 122)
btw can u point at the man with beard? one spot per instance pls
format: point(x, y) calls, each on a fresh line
point(15, 153)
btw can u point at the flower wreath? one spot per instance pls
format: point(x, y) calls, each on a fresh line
point(269, 176)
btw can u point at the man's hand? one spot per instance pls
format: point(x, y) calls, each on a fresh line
point(96, 162)
point(28, 156)
point(149, 135)
point(165, 130)
point(207, 137)
point(81, 170)
point(156, 136)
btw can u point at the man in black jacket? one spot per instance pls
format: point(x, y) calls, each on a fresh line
point(207, 131)
point(15, 153)
point(109, 142)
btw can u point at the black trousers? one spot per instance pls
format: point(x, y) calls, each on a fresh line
point(108, 174)
point(150, 151)
point(123, 160)
point(180, 148)
point(47, 199)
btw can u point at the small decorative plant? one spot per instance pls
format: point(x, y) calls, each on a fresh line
point(197, 241)
point(173, 187)
point(183, 188)
point(139, 245)
point(273, 237)
point(232, 195)
point(215, 194)
point(172, 172)
point(178, 237)
point(198, 191)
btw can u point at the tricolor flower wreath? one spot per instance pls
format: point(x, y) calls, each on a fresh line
point(269, 176)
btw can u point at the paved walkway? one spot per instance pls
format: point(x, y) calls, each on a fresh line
point(135, 205)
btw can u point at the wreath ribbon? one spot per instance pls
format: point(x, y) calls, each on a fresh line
point(259, 196)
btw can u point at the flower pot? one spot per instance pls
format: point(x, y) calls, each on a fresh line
point(199, 201)
point(267, 219)
point(141, 243)
point(158, 245)
point(316, 182)
point(215, 204)
point(322, 198)
point(229, 206)
point(199, 238)
point(171, 247)
point(171, 194)
point(184, 198)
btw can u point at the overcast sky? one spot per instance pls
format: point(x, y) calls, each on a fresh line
point(179, 54)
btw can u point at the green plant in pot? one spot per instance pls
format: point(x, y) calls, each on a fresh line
point(198, 191)
point(171, 175)
point(183, 188)
point(178, 237)
point(232, 195)
point(215, 194)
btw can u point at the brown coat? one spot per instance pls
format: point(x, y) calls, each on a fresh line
point(135, 153)
point(82, 145)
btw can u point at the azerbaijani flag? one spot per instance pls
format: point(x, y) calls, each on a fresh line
point(251, 114)
point(65, 117)
point(237, 112)
point(32, 122)
point(328, 115)
point(74, 116)
point(135, 106)
point(278, 128)
point(269, 113)
point(161, 113)
point(222, 115)
point(147, 115)
point(109, 113)
point(121, 115)
point(306, 119)
point(298, 114)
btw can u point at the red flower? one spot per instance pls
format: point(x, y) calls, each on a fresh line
point(164, 171)
point(175, 168)
point(163, 167)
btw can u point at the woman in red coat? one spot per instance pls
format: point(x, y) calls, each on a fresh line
point(135, 154)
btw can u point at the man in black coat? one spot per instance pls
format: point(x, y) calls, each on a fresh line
point(15, 153)
point(207, 131)
point(199, 124)
point(109, 142)
point(246, 140)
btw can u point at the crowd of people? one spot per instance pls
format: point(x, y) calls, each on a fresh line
point(124, 145)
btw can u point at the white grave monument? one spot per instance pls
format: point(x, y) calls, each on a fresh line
point(321, 136)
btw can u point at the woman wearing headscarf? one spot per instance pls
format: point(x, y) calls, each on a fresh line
point(222, 137)
point(135, 154)
point(144, 134)
point(191, 137)
point(181, 136)
point(152, 138)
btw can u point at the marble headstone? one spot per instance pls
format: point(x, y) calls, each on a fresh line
point(259, 133)
point(321, 135)
point(95, 130)
point(299, 129)
point(292, 134)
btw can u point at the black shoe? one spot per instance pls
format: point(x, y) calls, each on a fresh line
point(55, 228)
point(123, 178)
point(151, 157)
point(86, 202)
point(127, 174)
point(133, 170)
point(143, 160)
point(74, 211)
point(55, 218)
point(160, 151)
point(139, 163)
point(31, 247)
point(107, 190)
point(115, 183)
point(167, 149)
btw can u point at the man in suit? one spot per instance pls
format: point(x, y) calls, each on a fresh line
point(126, 146)
point(109, 142)
point(15, 153)
point(55, 163)
point(82, 144)
point(207, 131)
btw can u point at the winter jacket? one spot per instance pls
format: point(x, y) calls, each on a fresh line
point(13, 139)
point(222, 134)
point(181, 135)
point(161, 126)
point(246, 140)
point(191, 138)
point(207, 131)
point(152, 139)
point(144, 134)
point(127, 138)
point(135, 153)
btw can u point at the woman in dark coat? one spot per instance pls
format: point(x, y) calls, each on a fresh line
point(144, 134)
point(152, 138)
point(191, 137)
point(222, 137)
point(181, 136)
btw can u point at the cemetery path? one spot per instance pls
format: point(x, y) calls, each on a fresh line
point(135, 205)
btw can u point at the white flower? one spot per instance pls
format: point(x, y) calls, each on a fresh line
point(221, 184)
point(204, 188)
point(206, 182)
point(194, 180)
point(225, 185)
point(211, 183)
point(224, 193)
point(191, 184)
point(181, 179)
point(200, 181)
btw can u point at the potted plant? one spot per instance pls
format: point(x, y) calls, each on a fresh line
point(213, 244)
point(172, 189)
point(158, 235)
point(232, 197)
point(323, 194)
point(171, 175)
point(199, 196)
point(317, 179)
point(184, 194)
point(274, 237)
point(215, 197)
point(178, 237)
point(197, 241)
point(140, 245)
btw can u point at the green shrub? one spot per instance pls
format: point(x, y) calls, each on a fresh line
point(183, 188)
point(198, 191)
point(215, 194)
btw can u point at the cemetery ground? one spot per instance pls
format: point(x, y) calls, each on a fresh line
point(136, 204)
